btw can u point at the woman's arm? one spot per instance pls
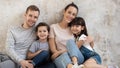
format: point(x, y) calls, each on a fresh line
point(80, 43)
point(30, 55)
point(52, 45)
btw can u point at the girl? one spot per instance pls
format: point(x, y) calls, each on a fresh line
point(59, 35)
point(92, 59)
point(39, 50)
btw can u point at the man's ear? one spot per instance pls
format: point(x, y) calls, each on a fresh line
point(24, 14)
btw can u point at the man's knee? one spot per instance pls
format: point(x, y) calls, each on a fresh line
point(7, 64)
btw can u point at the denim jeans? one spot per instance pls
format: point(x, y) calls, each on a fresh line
point(90, 54)
point(41, 60)
point(49, 64)
point(72, 50)
point(62, 61)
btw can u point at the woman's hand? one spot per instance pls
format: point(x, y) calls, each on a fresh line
point(57, 53)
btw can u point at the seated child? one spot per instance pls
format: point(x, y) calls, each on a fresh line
point(39, 50)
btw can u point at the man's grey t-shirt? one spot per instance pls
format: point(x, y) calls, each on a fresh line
point(37, 45)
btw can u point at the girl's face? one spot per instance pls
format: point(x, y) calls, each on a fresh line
point(76, 29)
point(70, 14)
point(42, 33)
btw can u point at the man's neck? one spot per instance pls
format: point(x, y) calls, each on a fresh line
point(24, 25)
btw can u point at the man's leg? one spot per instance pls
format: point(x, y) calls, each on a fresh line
point(7, 64)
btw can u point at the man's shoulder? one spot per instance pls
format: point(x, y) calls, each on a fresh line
point(14, 27)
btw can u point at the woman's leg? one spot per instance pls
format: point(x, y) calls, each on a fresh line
point(41, 58)
point(74, 51)
point(63, 61)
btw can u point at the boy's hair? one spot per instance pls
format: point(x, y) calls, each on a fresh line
point(42, 24)
point(79, 21)
point(33, 8)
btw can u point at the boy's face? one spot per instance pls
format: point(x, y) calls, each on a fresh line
point(31, 17)
point(76, 29)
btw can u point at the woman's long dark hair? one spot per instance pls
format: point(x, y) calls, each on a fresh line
point(79, 21)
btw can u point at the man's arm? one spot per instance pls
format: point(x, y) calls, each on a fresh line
point(10, 47)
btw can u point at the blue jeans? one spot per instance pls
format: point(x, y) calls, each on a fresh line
point(73, 50)
point(42, 60)
point(90, 54)
point(64, 59)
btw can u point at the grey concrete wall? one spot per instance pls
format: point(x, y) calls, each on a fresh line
point(101, 16)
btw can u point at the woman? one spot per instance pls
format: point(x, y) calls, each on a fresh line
point(59, 35)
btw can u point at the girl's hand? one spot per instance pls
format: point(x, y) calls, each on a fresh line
point(38, 51)
point(89, 39)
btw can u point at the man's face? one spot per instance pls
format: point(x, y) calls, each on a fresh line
point(31, 17)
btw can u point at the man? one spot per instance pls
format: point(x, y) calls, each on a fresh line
point(19, 38)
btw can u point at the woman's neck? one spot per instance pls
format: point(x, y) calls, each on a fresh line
point(63, 24)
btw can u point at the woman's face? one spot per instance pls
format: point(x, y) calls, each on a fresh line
point(70, 14)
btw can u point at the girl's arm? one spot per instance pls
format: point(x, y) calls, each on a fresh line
point(90, 40)
point(92, 44)
point(30, 55)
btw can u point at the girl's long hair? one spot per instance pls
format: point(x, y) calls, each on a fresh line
point(79, 21)
point(39, 25)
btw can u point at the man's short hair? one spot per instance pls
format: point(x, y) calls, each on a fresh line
point(33, 8)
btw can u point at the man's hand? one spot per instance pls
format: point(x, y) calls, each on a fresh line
point(26, 64)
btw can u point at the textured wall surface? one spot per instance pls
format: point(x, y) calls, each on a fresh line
point(101, 16)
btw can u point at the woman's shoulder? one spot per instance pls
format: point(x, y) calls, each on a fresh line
point(54, 25)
